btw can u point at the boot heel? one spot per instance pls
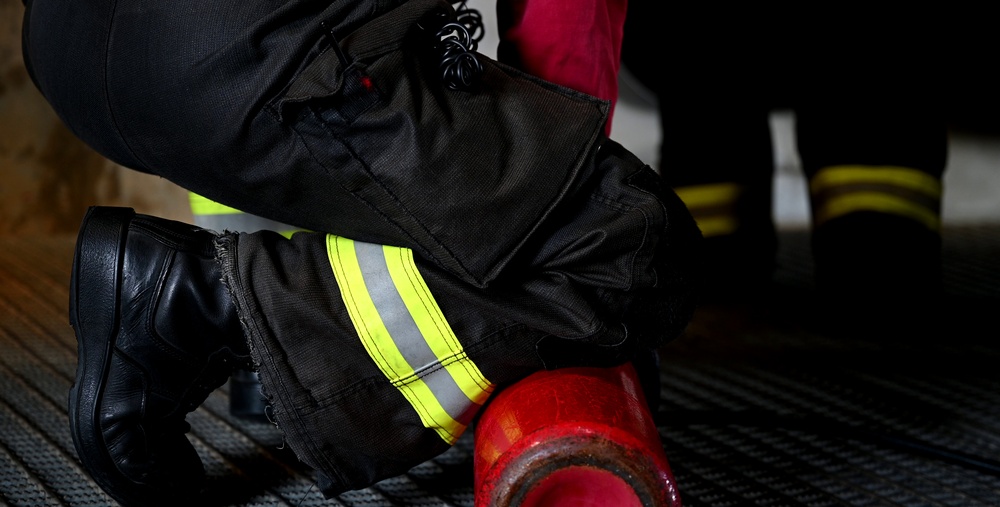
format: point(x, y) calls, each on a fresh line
point(96, 276)
point(101, 226)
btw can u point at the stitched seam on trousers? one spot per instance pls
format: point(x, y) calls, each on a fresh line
point(416, 281)
point(626, 209)
point(371, 175)
point(230, 272)
point(416, 244)
point(347, 292)
point(107, 93)
point(490, 340)
point(649, 219)
point(377, 181)
point(379, 381)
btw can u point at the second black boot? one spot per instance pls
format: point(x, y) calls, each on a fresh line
point(157, 332)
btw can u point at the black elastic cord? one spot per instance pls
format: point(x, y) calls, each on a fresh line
point(456, 47)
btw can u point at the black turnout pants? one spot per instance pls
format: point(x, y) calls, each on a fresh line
point(463, 238)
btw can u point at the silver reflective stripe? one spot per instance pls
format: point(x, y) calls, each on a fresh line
point(209, 214)
point(406, 335)
point(240, 222)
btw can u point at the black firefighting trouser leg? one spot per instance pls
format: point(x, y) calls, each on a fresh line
point(871, 135)
point(368, 378)
point(465, 238)
point(874, 168)
point(874, 173)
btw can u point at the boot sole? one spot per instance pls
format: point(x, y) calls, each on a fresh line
point(96, 281)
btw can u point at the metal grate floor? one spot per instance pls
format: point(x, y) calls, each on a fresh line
point(756, 408)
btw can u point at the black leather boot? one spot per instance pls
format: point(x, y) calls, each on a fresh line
point(157, 332)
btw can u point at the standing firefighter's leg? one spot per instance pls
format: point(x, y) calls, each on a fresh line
point(875, 186)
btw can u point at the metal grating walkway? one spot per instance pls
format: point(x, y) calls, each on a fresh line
point(757, 408)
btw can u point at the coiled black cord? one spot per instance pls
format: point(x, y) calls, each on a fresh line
point(456, 46)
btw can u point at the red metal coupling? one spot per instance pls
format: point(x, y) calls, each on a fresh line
point(573, 437)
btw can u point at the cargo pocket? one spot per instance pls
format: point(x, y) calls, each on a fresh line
point(464, 175)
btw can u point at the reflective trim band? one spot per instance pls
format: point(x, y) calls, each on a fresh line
point(713, 207)
point(404, 331)
point(437, 335)
point(204, 206)
point(901, 177)
point(878, 202)
point(711, 195)
point(840, 190)
point(242, 222)
point(716, 226)
point(211, 215)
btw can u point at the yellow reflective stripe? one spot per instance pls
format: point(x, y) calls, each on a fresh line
point(432, 414)
point(902, 177)
point(432, 325)
point(713, 206)
point(876, 201)
point(361, 309)
point(713, 194)
point(204, 206)
point(377, 340)
point(242, 222)
point(212, 215)
point(716, 225)
point(426, 388)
